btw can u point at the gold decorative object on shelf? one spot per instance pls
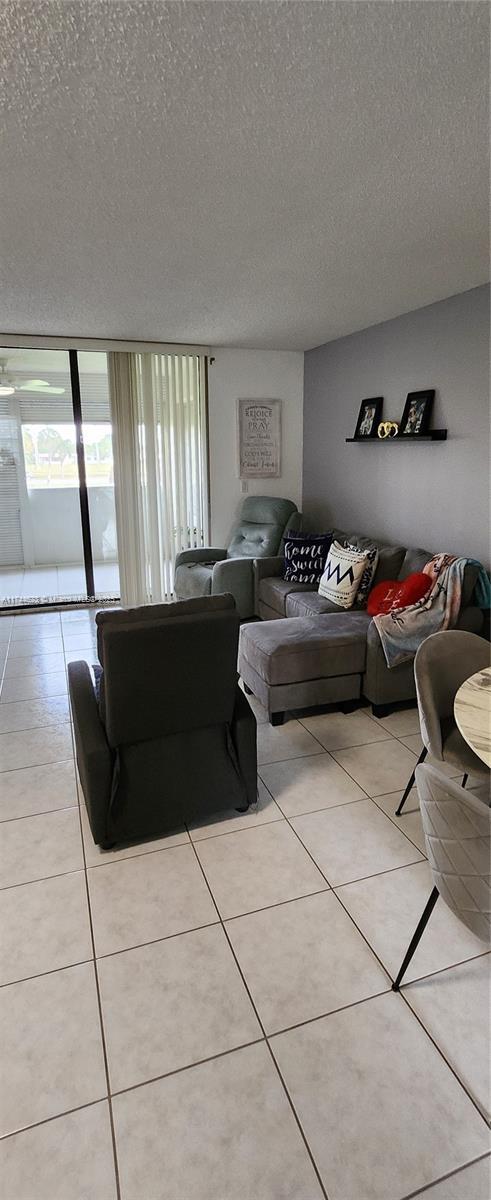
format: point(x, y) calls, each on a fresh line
point(388, 429)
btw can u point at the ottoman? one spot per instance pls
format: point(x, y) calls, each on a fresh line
point(301, 662)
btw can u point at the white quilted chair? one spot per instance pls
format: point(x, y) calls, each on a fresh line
point(444, 661)
point(457, 829)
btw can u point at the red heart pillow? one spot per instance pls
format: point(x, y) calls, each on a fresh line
point(397, 593)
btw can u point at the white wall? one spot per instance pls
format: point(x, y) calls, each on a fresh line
point(255, 375)
point(433, 494)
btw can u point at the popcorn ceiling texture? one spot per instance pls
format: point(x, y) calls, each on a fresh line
point(244, 174)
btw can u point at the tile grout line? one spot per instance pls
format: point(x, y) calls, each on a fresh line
point(30, 700)
point(261, 1026)
point(32, 728)
point(450, 1175)
point(333, 888)
point(332, 753)
point(442, 970)
point(343, 768)
point(34, 766)
point(82, 962)
point(430, 974)
point(324, 876)
point(45, 813)
point(73, 871)
point(99, 1002)
point(67, 1112)
point(388, 870)
point(134, 1087)
point(445, 1060)
point(228, 921)
point(398, 826)
point(4, 667)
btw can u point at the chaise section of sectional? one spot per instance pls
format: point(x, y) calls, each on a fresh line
point(304, 662)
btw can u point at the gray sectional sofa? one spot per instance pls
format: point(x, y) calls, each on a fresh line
point(311, 652)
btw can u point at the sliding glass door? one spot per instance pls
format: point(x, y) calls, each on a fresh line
point(57, 527)
point(97, 437)
point(65, 491)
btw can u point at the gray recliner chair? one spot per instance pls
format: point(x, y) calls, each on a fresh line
point(258, 533)
point(171, 737)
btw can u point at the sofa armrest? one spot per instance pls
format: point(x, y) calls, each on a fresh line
point(200, 554)
point(265, 568)
point(235, 575)
point(94, 757)
point(471, 619)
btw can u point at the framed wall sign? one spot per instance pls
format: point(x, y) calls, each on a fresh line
point(259, 427)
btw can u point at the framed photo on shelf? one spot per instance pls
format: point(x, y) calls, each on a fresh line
point(415, 420)
point(369, 417)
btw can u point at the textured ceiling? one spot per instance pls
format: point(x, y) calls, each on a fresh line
point(247, 174)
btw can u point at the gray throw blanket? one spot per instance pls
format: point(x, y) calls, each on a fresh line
point(402, 630)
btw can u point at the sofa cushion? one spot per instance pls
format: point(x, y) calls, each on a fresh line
point(390, 558)
point(290, 651)
point(193, 581)
point(310, 604)
point(416, 559)
point(274, 591)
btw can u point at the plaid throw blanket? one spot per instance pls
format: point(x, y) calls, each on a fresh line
point(402, 630)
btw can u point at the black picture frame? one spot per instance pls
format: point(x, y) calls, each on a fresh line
point(415, 420)
point(367, 423)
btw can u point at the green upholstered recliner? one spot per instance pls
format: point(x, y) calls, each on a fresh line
point(171, 737)
point(258, 533)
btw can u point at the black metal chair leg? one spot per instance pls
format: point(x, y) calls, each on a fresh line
point(410, 782)
point(464, 780)
point(421, 926)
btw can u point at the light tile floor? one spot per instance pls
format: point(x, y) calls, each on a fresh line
point(208, 1016)
point(24, 584)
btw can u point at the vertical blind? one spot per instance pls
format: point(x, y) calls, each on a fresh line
point(11, 549)
point(158, 413)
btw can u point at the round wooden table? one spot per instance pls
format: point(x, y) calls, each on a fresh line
point(472, 708)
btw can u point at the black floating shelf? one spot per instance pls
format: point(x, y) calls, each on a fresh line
point(435, 435)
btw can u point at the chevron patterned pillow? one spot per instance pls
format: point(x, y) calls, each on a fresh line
point(365, 584)
point(342, 575)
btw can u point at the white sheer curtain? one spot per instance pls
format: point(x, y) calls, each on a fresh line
point(160, 467)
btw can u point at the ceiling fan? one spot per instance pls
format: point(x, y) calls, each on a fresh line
point(8, 384)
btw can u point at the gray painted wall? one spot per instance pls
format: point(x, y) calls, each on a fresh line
point(430, 494)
